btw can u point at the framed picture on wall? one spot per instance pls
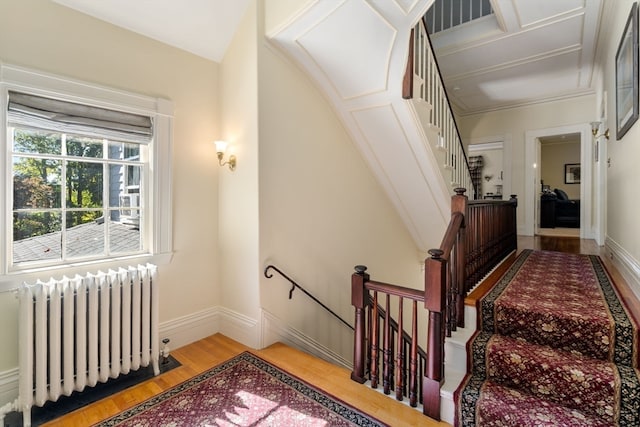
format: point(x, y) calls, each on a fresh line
point(572, 173)
point(627, 75)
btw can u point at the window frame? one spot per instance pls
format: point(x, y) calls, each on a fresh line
point(106, 162)
point(157, 200)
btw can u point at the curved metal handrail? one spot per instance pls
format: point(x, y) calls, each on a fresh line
point(294, 285)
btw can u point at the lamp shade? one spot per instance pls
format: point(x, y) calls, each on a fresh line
point(221, 146)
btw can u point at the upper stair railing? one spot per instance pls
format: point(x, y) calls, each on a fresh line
point(479, 236)
point(445, 14)
point(491, 239)
point(423, 81)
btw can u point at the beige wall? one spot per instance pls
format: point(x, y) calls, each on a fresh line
point(553, 158)
point(321, 209)
point(623, 174)
point(238, 201)
point(516, 122)
point(45, 36)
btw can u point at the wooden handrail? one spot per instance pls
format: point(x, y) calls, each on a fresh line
point(399, 291)
point(451, 235)
point(407, 80)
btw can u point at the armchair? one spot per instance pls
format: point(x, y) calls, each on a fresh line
point(567, 212)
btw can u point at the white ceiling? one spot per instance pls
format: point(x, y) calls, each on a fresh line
point(528, 52)
point(202, 27)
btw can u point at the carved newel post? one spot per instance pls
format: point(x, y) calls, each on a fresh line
point(359, 298)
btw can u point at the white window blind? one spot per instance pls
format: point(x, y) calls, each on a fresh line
point(63, 116)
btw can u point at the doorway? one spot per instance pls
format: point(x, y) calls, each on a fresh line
point(533, 176)
point(496, 171)
point(560, 178)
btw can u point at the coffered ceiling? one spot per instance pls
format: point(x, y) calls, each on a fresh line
point(527, 52)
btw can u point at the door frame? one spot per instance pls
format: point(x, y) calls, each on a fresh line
point(532, 176)
point(502, 142)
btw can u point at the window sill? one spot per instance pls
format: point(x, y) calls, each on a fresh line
point(11, 280)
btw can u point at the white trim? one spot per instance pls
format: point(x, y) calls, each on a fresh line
point(9, 385)
point(196, 326)
point(54, 86)
point(532, 176)
point(239, 327)
point(483, 146)
point(628, 266)
point(190, 328)
point(275, 330)
point(161, 110)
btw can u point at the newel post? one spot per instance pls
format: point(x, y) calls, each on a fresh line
point(359, 297)
point(459, 203)
point(434, 301)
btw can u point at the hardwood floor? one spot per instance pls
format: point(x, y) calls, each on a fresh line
point(211, 351)
point(561, 244)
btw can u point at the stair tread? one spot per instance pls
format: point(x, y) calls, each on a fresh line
point(498, 402)
point(461, 336)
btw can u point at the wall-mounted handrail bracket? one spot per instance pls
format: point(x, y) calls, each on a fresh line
point(294, 285)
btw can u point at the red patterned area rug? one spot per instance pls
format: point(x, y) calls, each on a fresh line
point(244, 391)
point(556, 347)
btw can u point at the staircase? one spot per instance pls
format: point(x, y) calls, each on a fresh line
point(547, 353)
point(374, 62)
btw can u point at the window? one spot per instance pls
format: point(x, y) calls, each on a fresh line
point(74, 196)
point(83, 177)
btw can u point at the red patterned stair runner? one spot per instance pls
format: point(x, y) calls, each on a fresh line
point(556, 347)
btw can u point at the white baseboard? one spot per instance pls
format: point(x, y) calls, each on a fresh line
point(190, 328)
point(239, 327)
point(628, 266)
point(9, 381)
point(193, 327)
point(275, 330)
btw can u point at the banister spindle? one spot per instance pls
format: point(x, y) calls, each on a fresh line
point(374, 340)
point(413, 361)
point(400, 353)
point(387, 357)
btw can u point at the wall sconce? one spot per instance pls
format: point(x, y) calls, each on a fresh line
point(488, 177)
point(594, 130)
point(221, 147)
